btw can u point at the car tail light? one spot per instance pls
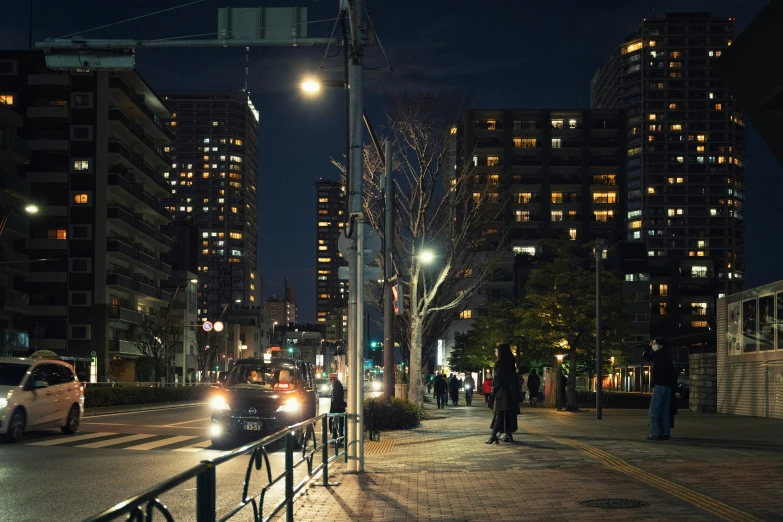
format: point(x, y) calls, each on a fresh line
point(282, 386)
point(81, 388)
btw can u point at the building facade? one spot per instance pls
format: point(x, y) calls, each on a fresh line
point(98, 154)
point(213, 177)
point(331, 292)
point(281, 311)
point(685, 152)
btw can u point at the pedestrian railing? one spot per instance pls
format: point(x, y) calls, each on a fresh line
point(143, 507)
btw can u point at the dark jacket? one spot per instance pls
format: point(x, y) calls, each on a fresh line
point(338, 398)
point(441, 386)
point(533, 383)
point(454, 386)
point(663, 373)
point(505, 387)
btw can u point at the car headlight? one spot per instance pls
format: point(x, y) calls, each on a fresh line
point(376, 386)
point(219, 403)
point(291, 405)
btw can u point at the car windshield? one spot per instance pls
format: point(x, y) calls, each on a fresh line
point(11, 374)
point(263, 375)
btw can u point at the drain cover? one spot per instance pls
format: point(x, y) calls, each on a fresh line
point(615, 503)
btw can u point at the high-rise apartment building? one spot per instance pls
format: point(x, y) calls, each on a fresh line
point(331, 292)
point(214, 180)
point(685, 152)
point(281, 311)
point(97, 143)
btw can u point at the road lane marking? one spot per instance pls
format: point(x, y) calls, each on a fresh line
point(66, 440)
point(163, 442)
point(145, 411)
point(187, 422)
point(199, 446)
point(144, 425)
point(114, 442)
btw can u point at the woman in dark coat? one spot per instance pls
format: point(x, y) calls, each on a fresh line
point(505, 389)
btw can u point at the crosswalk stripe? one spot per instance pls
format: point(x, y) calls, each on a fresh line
point(66, 440)
point(114, 442)
point(196, 447)
point(163, 442)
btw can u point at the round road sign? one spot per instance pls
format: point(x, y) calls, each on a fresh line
point(207, 326)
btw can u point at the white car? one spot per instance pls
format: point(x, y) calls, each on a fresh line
point(37, 394)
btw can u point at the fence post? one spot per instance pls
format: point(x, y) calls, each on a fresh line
point(289, 477)
point(345, 437)
point(325, 450)
point(205, 495)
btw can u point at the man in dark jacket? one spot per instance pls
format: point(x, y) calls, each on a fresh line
point(337, 405)
point(441, 390)
point(454, 388)
point(663, 380)
point(533, 385)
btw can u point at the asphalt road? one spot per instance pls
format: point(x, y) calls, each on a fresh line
point(50, 476)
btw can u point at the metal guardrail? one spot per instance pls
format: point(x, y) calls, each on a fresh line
point(142, 508)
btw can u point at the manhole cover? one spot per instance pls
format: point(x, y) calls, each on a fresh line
point(615, 503)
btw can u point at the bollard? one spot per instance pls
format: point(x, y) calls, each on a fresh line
point(289, 477)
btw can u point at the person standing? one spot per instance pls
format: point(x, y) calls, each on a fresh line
point(429, 384)
point(663, 381)
point(505, 389)
point(470, 387)
point(487, 388)
point(533, 384)
point(454, 389)
point(441, 387)
point(337, 405)
point(562, 392)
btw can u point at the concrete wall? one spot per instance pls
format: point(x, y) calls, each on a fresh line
point(703, 395)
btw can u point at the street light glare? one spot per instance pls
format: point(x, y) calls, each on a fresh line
point(427, 256)
point(194, 281)
point(311, 86)
point(31, 209)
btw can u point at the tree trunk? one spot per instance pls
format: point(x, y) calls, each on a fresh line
point(572, 380)
point(414, 384)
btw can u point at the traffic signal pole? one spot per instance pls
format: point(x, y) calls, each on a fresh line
point(388, 306)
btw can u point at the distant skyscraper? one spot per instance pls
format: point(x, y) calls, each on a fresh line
point(214, 180)
point(686, 146)
point(331, 292)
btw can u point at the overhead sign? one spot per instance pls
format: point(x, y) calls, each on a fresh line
point(207, 326)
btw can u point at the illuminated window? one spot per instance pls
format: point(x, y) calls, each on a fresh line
point(557, 197)
point(493, 161)
point(522, 216)
point(525, 143)
point(604, 179)
point(651, 190)
point(652, 43)
point(701, 137)
point(323, 223)
point(605, 197)
point(632, 47)
point(477, 197)
point(323, 247)
point(524, 197)
point(718, 107)
point(636, 224)
point(572, 233)
point(699, 308)
point(58, 233)
point(81, 199)
point(466, 314)
point(491, 125)
point(699, 324)
point(721, 159)
point(324, 259)
point(323, 200)
point(653, 117)
point(81, 165)
point(675, 54)
point(675, 74)
point(672, 106)
point(6, 99)
point(603, 215)
point(494, 179)
point(663, 289)
point(675, 65)
point(634, 151)
point(676, 127)
point(235, 235)
point(557, 124)
point(557, 215)
point(557, 143)
point(238, 142)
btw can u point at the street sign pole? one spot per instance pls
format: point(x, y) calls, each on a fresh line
point(388, 311)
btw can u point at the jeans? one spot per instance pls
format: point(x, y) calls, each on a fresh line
point(660, 410)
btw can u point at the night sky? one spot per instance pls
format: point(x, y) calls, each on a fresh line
point(499, 52)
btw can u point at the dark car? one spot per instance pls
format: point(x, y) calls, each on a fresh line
point(324, 387)
point(259, 398)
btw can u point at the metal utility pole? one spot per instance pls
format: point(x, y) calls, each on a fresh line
point(599, 250)
point(388, 306)
point(356, 259)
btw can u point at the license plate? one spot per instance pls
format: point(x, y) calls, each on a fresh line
point(252, 426)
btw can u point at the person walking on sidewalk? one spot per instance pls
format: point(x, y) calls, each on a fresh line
point(454, 388)
point(663, 380)
point(441, 387)
point(337, 405)
point(505, 391)
point(533, 384)
point(470, 387)
point(487, 388)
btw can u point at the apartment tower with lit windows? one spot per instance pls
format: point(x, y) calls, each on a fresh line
point(686, 146)
point(331, 292)
point(214, 182)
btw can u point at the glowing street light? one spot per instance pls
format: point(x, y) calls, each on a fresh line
point(218, 326)
point(427, 256)
point(311, 85)
point(31, 209)
point(559, 357)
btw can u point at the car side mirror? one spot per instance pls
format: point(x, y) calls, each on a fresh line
point(39, 384)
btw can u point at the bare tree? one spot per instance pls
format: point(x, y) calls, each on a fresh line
point(157, 338)
point(442, 204)
point(207, 344)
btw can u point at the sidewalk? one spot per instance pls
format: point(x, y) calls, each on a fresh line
point(715, 468)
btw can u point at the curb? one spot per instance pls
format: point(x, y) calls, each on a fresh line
point(89, 412)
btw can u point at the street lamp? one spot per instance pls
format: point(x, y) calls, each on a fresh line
point(31, 209)
point(427, 256)
point(560, 402)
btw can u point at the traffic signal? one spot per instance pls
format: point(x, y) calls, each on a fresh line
point(290, 349)
point(374, 344)
point(397, 299)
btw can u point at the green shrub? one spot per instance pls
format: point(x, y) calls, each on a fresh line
point(396, 414)
point(127, 395)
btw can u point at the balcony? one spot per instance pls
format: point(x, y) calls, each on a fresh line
point(119, 246)
point(139, 225)
point(118, 115)
point(137, 286)
point(14, 301)
point(118, 178)
point(115, 82)
point(124, 346)
point(11, 339)
point(12, 261)
point(16, 185)
point(125, 315)
point(19, 149)
point(137, 161)
point(18, 224)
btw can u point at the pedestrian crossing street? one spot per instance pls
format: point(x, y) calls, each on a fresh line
point(132, 442)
